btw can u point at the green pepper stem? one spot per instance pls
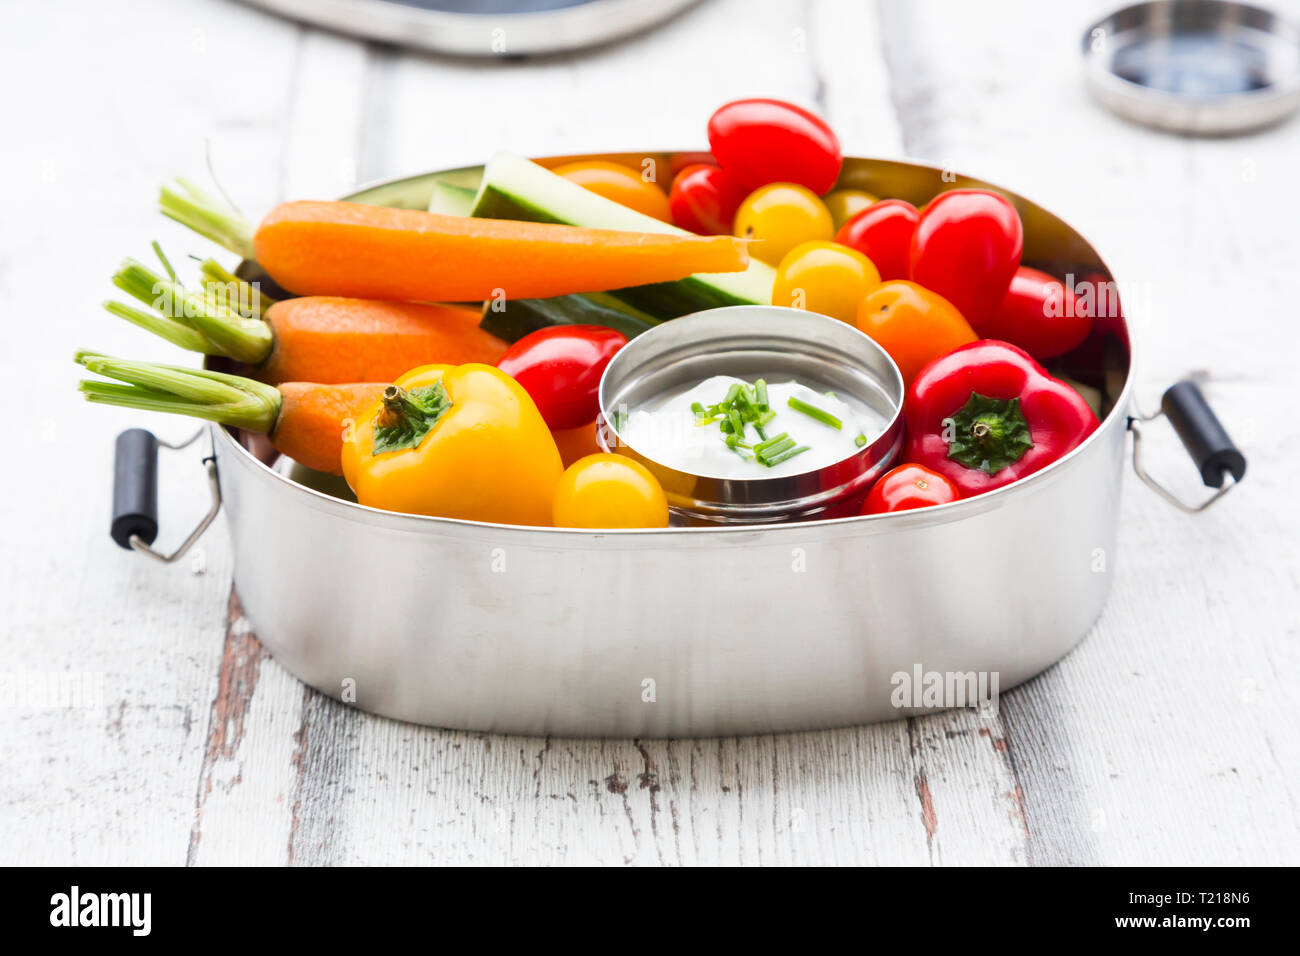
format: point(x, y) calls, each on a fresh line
point(988, 433)
point(207, 215)
point(406, 417)
point(399, 405)
point(227, 399)
point(225, 331)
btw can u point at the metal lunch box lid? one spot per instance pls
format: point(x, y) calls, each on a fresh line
point(1195, 66)
point(758, 341)
point(490, 28)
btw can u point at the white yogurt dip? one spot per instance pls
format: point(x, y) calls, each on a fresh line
point(668, 430)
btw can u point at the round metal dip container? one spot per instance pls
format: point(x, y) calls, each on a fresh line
point(750, 342)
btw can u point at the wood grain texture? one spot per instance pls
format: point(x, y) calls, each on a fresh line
point(1167, 736)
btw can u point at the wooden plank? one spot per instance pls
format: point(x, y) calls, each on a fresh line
point(656, 91)
point(253, 804)
point(1167, 736)
point(791, 799)
point(114, 782)
point(1164, 736)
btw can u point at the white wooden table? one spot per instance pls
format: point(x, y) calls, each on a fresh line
point(1168, 736)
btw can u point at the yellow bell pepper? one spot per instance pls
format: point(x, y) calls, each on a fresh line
point(456, 441)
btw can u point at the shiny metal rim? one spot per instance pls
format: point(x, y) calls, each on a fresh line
point(466, 34)
point(1210, 114)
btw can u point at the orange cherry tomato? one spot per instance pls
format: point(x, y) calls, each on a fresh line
point(779, 217)
point(912, 324)
point(907, 487)
point(609, 491)
point(824, 277)
point(620, 183)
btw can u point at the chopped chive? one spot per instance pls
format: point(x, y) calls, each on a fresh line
point(767, 454)
point(760, 394)
point(786, 455)
point(812, 411)
point(768, 442)
point(861, 440)
point(737, 426)
point(699, 410)
point(731, 394)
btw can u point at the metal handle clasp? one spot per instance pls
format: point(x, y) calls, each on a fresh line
point(1160, 489)
point(135, 493)
point(1212, 450)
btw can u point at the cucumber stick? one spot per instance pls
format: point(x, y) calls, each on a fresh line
point(451, 200)
point(516, 188)
point(512, 319)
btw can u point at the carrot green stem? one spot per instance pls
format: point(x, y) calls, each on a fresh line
point(246, 298)
point(162, 257)
point(226, 331)
point(207, 215)
point(177, 333)
point(215, 396)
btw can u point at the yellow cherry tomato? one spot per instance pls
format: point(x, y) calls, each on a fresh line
point(824, 277)
point(779, 216)
point(609, 491)
point(619, 183)
point(844, 204)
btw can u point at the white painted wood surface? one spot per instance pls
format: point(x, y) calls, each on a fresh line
point(1168, 736)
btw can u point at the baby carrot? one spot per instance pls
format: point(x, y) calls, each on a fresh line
point(303, 420)
point(376, 252)
point(328, 340)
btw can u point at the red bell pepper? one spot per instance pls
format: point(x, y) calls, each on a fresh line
point(987, 414)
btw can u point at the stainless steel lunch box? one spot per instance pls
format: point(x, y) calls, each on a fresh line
point(689, 631)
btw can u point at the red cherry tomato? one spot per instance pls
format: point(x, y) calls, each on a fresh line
point(1040, 315)
point(769, 141)
point(883, 233)
point(704, 199)
point(679, 161)
point(560, 368)
point(966, 248)
point(908, 487)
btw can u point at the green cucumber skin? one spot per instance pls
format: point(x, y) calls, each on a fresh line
point(506, 192)
point(449, 199)
point(518, 317)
